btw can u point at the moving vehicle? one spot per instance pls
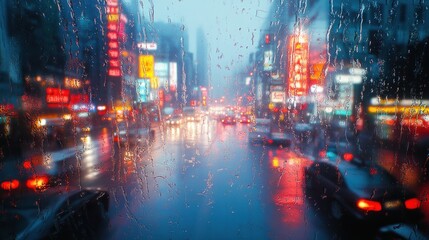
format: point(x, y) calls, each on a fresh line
point(174, 119)
point(361, 191)
point(229, 119)
point(132, 133)
point(20, 177)
point(244, 119)
point(259, 133)
point(279, 139)
point(190, 114)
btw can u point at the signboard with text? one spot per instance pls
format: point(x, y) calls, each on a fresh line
point(146, 66)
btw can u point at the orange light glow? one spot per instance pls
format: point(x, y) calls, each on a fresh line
point(10, 185)
point(412, 203)
point(369, 205)
point(37, 182)
point(275, 162)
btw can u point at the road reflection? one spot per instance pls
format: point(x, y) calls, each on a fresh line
point(289, 195)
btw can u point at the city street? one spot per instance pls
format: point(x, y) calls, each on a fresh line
point(203, 180)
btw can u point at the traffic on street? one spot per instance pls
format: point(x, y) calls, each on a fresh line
point(260, 119)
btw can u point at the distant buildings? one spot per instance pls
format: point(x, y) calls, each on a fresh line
point(309, 49)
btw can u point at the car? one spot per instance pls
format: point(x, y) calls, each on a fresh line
point(22, 175)
point(259, 133)
point(132, 133)
point(353, 189)
point(174, 120)
point(229, 119)
point(190, 114)
point(56, 213)
point(280, 139)
point(244, 119)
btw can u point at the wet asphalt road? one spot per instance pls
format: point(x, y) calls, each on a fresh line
point(203, 181)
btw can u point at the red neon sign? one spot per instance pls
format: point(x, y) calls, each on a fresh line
point(113, 44)
point(298, 66)
point(112, 26)
point(113, 53)
point(114, 63)
point(56, 95)
point(114, 72)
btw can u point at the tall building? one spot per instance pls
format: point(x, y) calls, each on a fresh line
point(336, 47)
point(202, 60)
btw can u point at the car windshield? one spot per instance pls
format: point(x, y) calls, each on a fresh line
point(200, 118)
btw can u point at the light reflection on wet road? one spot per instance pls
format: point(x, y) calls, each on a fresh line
point(204, 181)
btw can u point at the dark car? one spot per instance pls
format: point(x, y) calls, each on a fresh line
point(132, 133)
point(20, 176)
point(279, 139)
point(259, 133)
point(57, 213)
point(245, 119)
point(360, 191)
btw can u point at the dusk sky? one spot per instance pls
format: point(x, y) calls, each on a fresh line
point(232, 29)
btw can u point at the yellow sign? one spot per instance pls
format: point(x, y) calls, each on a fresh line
point(154, 82)
point(146, 66)
point(409, 110)
point(113, 17)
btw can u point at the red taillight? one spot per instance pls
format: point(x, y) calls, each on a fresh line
point(115, 138)
point(37, 182)
point(348, 157)
point(26, 164)
point(10, 185)
point(270, 141)
point(369, 205)
point(412, 203)
point(322, 154)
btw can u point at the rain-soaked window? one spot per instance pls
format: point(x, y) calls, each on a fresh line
point(214, 119)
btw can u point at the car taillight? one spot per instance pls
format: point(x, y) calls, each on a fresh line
point(26, 164)
point(270, 141)
point(37, 182)
point(115, 137)
point(348, 157)
point(369, 205)
point(412, 203)
point(10, 185)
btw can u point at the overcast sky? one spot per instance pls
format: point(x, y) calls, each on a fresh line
point(232, 28)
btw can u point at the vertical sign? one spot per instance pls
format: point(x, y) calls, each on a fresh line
point(173, 76)
point(112, 10)
point(142, 88)
point(298, 65)
point(146, 66)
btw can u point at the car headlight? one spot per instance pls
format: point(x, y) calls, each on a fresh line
point(42, 122)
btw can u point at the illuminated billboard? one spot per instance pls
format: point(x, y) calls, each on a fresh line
point(173, 76)
point(268, 60)
point(113, 16)
point(56, 97)
point(146, 66)
point(142, 89)
point(278, 97)
point(298, 65)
